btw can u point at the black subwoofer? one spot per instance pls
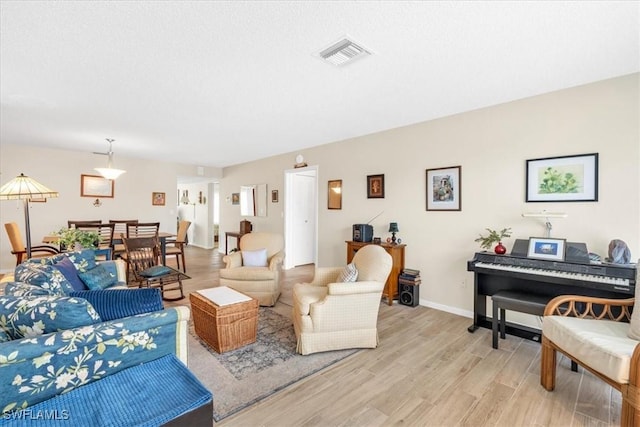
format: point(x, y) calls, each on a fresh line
point(408, 294)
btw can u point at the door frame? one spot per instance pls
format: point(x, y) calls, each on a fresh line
point(289, 238)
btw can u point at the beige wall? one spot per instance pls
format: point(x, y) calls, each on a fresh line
point(60, 170)
point(491, 145)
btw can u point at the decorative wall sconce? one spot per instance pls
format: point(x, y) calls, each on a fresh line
point(97, 203)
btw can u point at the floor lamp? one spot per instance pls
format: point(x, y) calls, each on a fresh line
point(24, 188)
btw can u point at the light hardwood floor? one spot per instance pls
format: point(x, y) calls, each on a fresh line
point(427, 371)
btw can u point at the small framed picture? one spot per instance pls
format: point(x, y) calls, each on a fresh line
point(274, 196)
point(444, 189)
point(235, 198)
point(375, 186)
point(563, 179)
point(158, 199)
point(546, 248)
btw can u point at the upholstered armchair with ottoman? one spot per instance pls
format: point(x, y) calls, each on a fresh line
point(255, 268)
point(339, 308)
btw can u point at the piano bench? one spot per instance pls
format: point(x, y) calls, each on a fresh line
point(515, 301)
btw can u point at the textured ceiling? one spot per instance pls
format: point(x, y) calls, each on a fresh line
point(220, 83)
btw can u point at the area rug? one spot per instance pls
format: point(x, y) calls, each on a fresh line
point(242, 377)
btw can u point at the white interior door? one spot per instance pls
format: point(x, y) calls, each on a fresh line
point(304, 219)
point(301, 217)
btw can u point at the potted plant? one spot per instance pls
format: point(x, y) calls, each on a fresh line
point(72, 238)
point(486, 242)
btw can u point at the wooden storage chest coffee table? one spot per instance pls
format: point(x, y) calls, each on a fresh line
point(224, 318)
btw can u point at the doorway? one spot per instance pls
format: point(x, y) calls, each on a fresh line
point(301, 216)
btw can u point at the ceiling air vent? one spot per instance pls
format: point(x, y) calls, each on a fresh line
point(343, 52)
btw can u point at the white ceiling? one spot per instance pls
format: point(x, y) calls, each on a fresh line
point(220, 83)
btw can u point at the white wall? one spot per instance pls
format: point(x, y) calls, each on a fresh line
point(491, 145)
point(60, 170)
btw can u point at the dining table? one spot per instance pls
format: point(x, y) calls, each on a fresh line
point(162, 237)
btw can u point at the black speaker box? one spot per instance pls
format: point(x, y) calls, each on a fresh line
point(408, 294)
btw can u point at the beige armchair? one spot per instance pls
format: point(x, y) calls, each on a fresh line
point(261, 280)
point(331, 315)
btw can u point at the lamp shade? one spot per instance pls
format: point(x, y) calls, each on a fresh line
point(23, 187)
point(393, 227)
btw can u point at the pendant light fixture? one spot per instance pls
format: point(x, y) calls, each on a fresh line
point(109, 172)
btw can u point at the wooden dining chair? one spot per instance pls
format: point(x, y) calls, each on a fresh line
point(74, 224)
point(105, 231)
point(18, 247)
point(177, 247)
point(120, 227)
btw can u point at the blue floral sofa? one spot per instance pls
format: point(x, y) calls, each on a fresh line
point(84, 356)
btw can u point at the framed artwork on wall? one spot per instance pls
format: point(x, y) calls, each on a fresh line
point(563, 179)
point(158, 199)
point(95, 186)
point(334, 194)
point(235, 198)
point(375, 186)
point(444, 189)
point(274, 196)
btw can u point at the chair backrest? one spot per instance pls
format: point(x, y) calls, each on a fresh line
point(143, 229)
point(183, 227)
point(104, 230)
point(273, 242)
point(373, 263)
point(142, 253)
point(17, 244)
point(121, 225)
point(74, 224)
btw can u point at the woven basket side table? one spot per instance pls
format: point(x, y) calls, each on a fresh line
point(225, 327)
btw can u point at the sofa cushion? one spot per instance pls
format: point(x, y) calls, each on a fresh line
point(70, 273)
point(348, 274)
point(45, 276)
point(27, 317)
point(603, 342)
point(98, 278)
point(21, 289)
point(83, 260)
point(257, 258)
point(155, 271)
point(4, 335)
point(247, 273)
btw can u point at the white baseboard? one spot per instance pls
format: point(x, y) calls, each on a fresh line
point(446, 308)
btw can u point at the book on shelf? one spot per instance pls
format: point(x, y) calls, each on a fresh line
point(409, 281)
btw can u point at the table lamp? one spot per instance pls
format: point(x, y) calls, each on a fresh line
point(393, 228)
point(24, 188)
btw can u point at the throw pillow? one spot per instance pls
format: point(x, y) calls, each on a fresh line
point(98, 278)
point(69, 271)
point(348, 274)
point(27, 317)
point(43, 275)
point(83, 260)
point(257, 258)
point(155, 271)
point(21, 289)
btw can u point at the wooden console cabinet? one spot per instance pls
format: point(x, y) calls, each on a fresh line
point(397, 255)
